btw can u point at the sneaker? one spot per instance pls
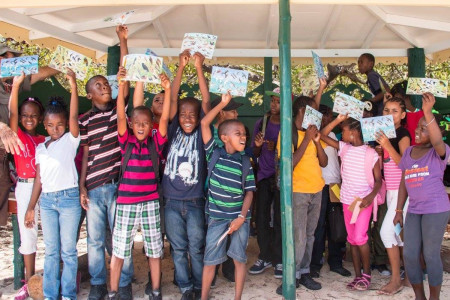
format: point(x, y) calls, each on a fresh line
point(155, 295)
point(384, 271)
point(188, 295)
point(113, 296)
point(279, 290)
point(259, 266)
point(309, 283)
point(126, 292)
point(197, 294)
point(278, 271)
point(98, 292)
point(341, 271)
point(22, 294)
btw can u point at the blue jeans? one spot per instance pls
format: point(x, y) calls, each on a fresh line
point(60, 214)
point(185, 229)
point(102, 207)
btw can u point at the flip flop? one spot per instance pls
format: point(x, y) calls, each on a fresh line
point(382, 292)
point(363, 283)
point(351, 285)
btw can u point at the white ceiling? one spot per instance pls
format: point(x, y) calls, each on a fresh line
point(247, 30)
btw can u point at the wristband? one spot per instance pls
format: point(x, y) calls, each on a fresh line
point(399, 210)
point(241, 216)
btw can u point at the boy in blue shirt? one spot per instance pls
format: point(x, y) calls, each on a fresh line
point(229, 198)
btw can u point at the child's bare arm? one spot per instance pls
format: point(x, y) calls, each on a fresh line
point(376, 187)
point(183, 61)
point(402, 196)
point(321, 155)
point(434, 131)
point(318, 97)
point(74, 128)
point(237, 223)
point(209, 117)
point(84, 200)
point(164, 119)
point(327, 129)
point(384, 142)
point(198, 62)
point(36, 191)
point(122, 34)
point(138, 95)
point(121, 113)
point(14, 102)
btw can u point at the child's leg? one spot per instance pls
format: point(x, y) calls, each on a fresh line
point(356, 258)
point(69, 215)
point(411, 253)
point(50, 229)
point(433, 228)
point(239, 275)
point(208, 276)
point(115, 269)
point(364, 252)
point(28, 236)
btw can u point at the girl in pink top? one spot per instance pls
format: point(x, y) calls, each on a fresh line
point(355, 186)
point(29, 115)
point(392, 151)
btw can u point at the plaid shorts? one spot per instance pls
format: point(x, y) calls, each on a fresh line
point(128, 218)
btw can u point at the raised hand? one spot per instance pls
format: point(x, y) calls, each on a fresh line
point(198, 59)
point(18, 80)
point(71, 77)
point(165, 81)
point(184, 58)
point(226, 98)
point(121, 74)
point(122, 32)
point(428, 102)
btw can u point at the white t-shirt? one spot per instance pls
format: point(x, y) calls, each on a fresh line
point(56, 163)
point(332, 172)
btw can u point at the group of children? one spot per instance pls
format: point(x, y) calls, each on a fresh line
point(166, 169)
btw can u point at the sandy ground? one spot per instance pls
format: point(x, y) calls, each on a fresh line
point(261, 286)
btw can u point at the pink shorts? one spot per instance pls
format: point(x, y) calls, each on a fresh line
point(357, 232)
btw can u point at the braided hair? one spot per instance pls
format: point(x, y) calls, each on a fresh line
point(56, 105)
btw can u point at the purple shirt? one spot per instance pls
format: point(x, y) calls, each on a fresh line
point(266, 160)
point(424, 182)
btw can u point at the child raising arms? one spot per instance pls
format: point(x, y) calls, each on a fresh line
point(29, 114)
point(57, 179)
point(137, 201)
point(228, 202)
point(355, 185)
point(423, 167)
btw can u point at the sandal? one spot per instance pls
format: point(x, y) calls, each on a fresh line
point(363, 283)
point(351, 285)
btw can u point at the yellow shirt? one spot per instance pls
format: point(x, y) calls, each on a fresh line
point(307, 175)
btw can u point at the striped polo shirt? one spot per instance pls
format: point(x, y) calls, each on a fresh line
point(98, 130)
point(138, 183)
point(225, 194)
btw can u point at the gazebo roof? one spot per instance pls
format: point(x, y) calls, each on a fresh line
point(335, 29)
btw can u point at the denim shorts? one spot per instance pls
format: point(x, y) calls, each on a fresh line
point(217, 254)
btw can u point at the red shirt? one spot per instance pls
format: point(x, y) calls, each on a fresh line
point(412, 119)
point(25, 161)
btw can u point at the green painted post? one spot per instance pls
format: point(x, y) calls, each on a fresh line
point(416, 68)
point(267, 81)
point(18, 258)
point(113, 63)
point(284, 44)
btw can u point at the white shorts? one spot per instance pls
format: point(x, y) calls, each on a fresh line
point(387, 231)
point(28, 236)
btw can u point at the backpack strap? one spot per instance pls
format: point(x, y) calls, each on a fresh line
point(368, 168)
point(126, 158)
point(245, 169)
point(215, 155)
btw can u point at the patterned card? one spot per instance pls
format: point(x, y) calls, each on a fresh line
point(345, 104)
point(199, 42)
point(225, 79)
point(15, 66)
point(141, 67)
point(318, 66)
point(370, 126)
point(64, 58)
point(419, 86)
point(311, 117)
point(309, 82)
point(164, 66)
point(120, 19)
point(114, 84)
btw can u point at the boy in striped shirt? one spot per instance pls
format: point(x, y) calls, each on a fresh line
point(137, 200)
point(228, 199)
